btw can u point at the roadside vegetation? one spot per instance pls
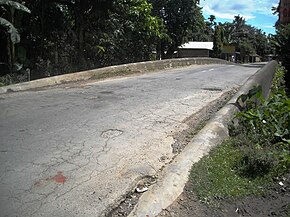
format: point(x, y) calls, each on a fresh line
point(47, 38)
point(256, 155)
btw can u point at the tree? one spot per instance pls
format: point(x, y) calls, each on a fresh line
point(201, 30)
point(247, 39)
point(137, 32)
point(210, 27)
point(261, 42)
point(218, 41)
point(69, 35)
point(212, 19)
point(178, 19)
point(7, 23)
point(282, 43)
point(229, 36)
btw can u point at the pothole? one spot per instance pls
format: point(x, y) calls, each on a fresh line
point(111, 133)
point(212, 89)
point(93, 97)
point(106, 92)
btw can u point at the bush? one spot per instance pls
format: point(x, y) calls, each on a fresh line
point(255, 163)
point(266, 126)
point(13, 79)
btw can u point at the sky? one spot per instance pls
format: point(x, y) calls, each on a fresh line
point(257, 13)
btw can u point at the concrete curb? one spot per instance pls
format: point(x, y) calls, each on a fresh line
point(125, 68)
point(166, 191)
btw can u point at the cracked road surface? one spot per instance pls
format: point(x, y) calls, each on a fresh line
point(77, 151)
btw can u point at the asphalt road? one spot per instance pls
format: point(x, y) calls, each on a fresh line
point(75, 151)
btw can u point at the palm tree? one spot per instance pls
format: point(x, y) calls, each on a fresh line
point(212, 20)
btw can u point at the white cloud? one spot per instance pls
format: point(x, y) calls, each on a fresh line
point(226, 15)
point(266, 27)
point(246, 8)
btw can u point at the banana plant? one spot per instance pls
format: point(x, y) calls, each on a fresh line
point(13, 32)
point(8, 23)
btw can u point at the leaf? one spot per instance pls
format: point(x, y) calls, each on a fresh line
point(101, 49)
point(256, 91)
point(15, 5)
point(286, 140)
point(14, 35)
point(243, 97)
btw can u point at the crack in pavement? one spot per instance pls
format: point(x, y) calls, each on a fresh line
point(101, 144)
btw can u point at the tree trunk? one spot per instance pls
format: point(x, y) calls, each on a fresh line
point(12, 46)
point(5, 53)
point(80, 22)
point(43, 2)
point(158, 51)
point(162, 50)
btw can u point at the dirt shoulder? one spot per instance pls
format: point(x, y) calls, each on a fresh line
point(181, 137)
point(276, 202)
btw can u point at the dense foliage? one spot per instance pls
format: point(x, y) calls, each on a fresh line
point(218, 41)
point(62, 36)
point(77, 35)
point(266, 125)
point(248, 40)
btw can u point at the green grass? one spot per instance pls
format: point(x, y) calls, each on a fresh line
point(214, 177)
